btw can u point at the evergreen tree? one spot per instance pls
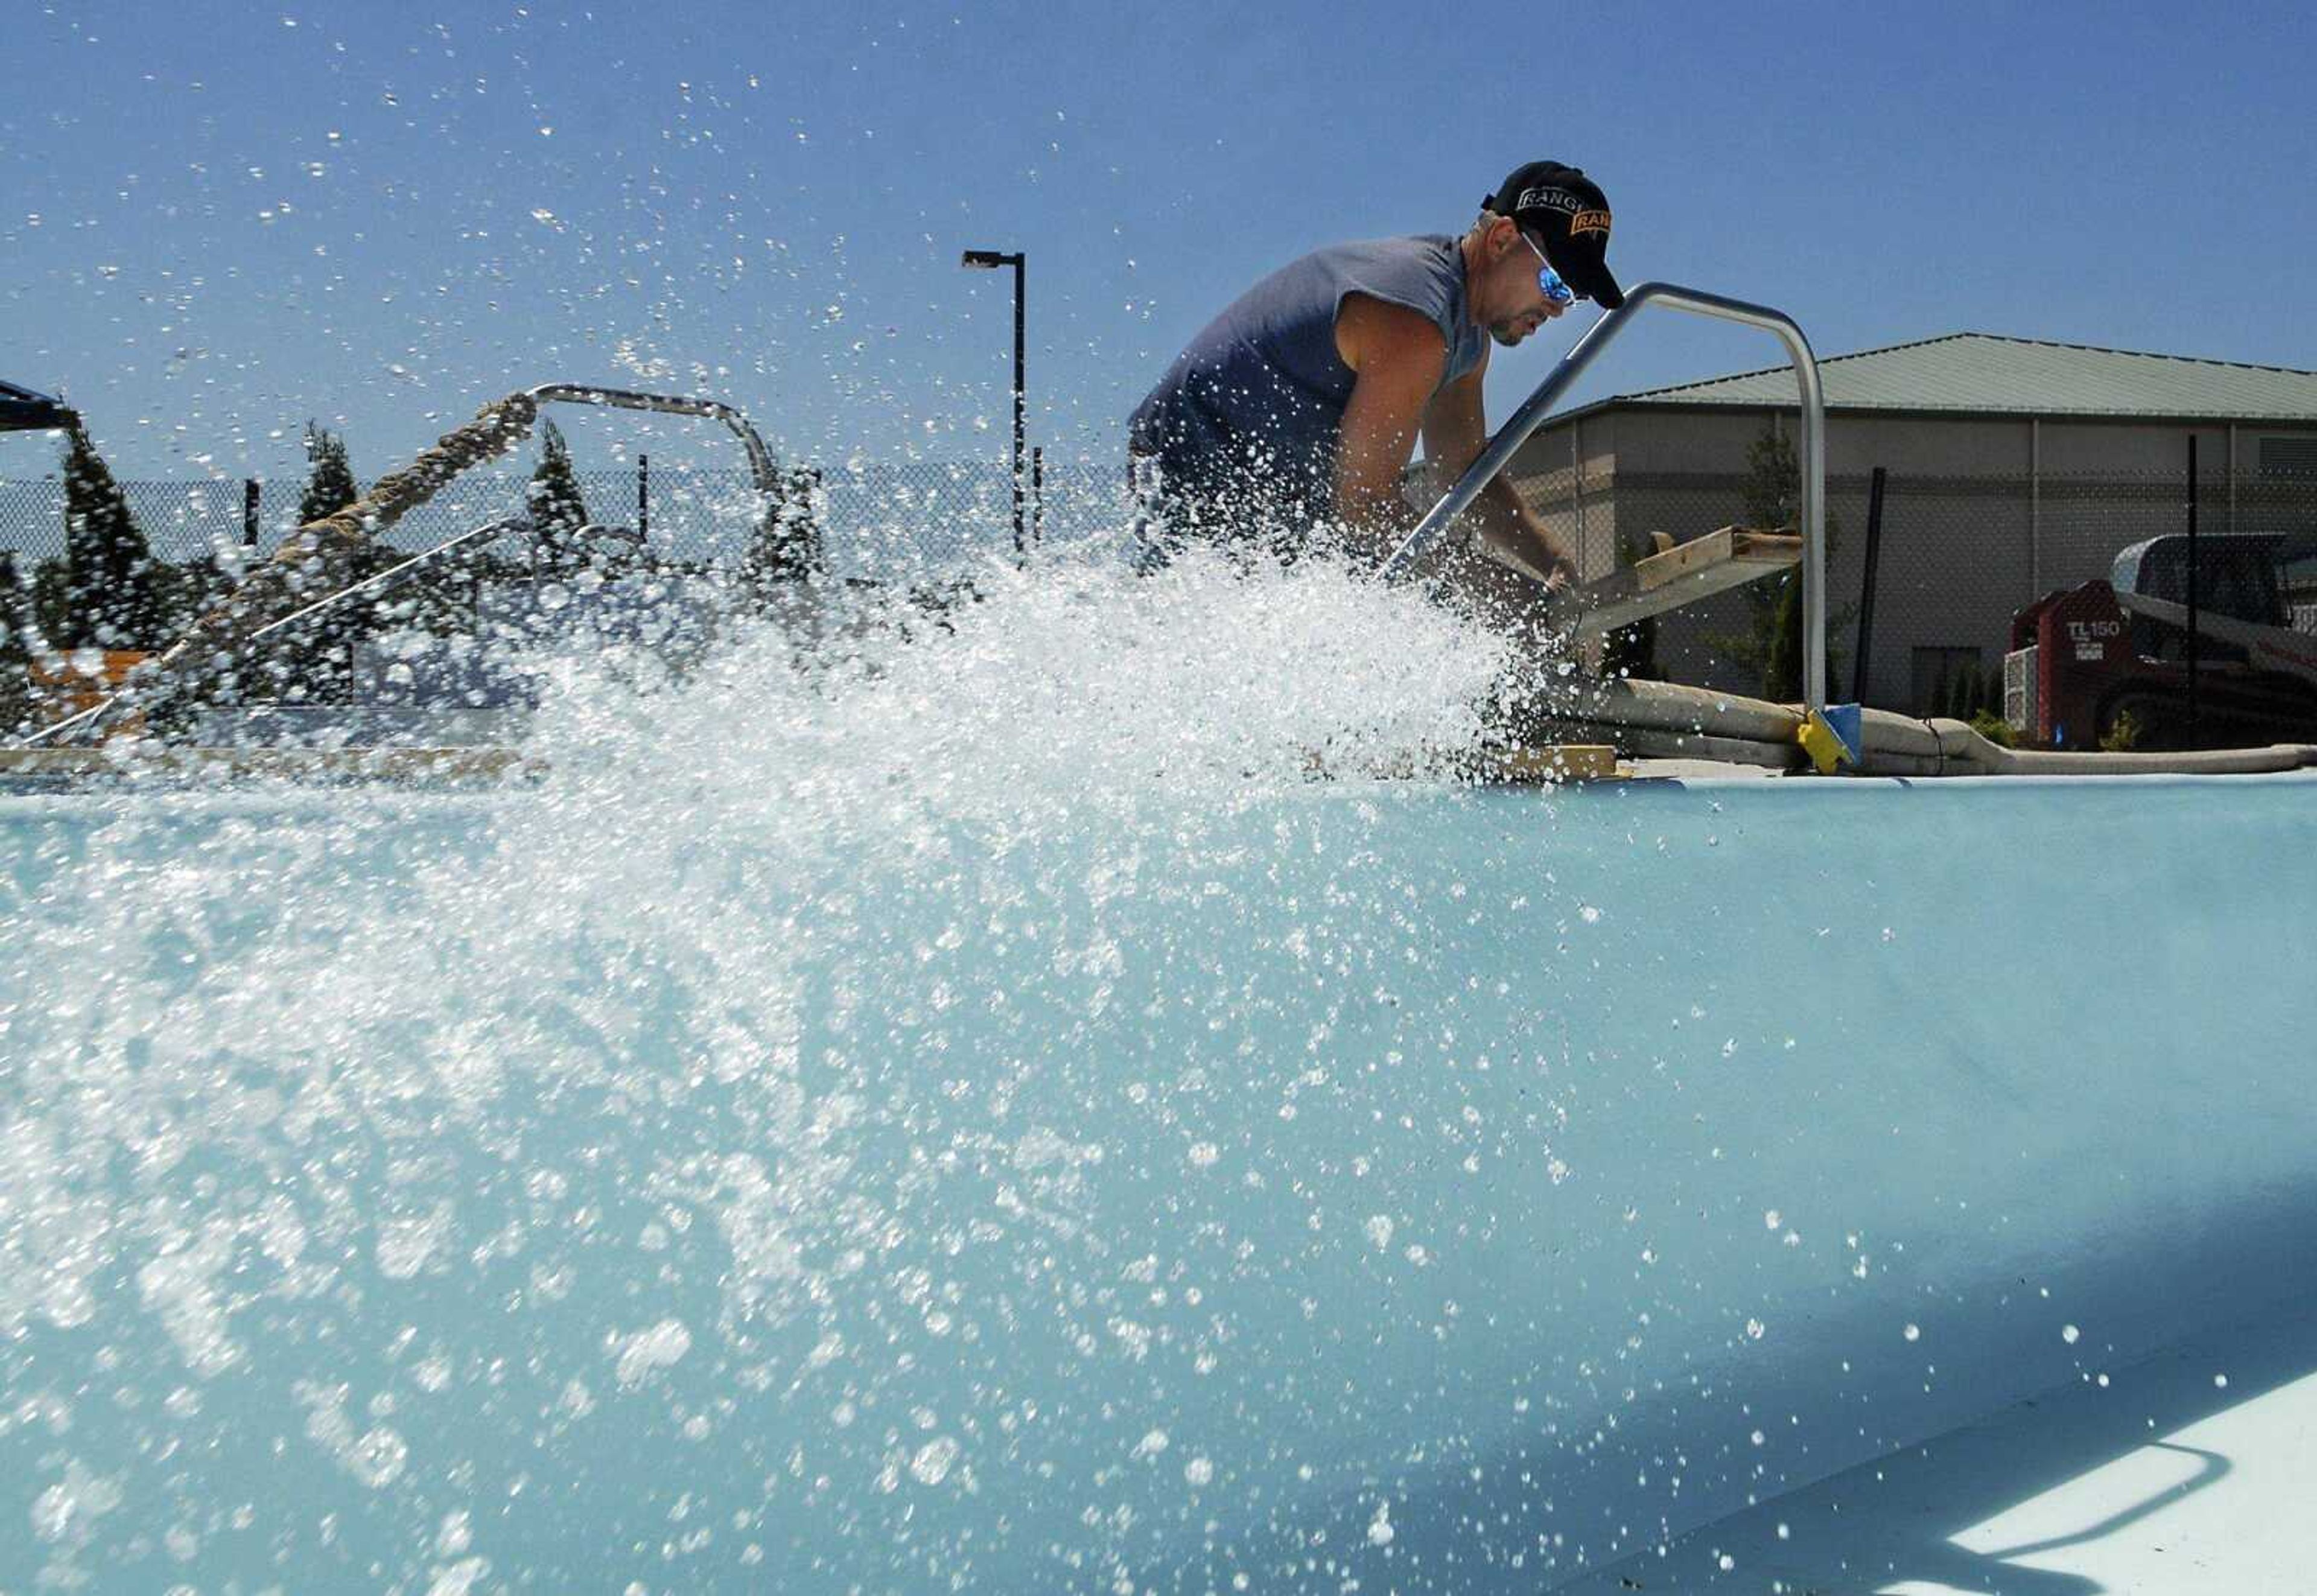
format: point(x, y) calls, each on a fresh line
point(184, 593)
point(15, 651)
point(1782, 681)
point(1772, 643)
point(785, 547)
point(313, 663)
point(1948, 696)
point(1966, 694)
point(108, 599)
point(1770, 500)
point(558, 508)
point(330, 485)
point(1631, 652)
point(52, 601)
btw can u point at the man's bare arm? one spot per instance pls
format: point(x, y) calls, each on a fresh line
point(1455, 430)
point(1398, 356)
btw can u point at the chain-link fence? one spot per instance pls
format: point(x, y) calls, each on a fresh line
point(876, 518)
point(1956, 557)
point(915, 525)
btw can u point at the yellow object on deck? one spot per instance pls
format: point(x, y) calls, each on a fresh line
point(1820, 740)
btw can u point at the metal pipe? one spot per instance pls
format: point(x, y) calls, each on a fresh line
point(760, 468)
point(989, 260)
point(2194, 649)
point(1525, 422)
point(1859, 674)
point(2035, 508)
point(1021, 389)
point(2232, 477)
point(1577, 492)
point(394, 576)
point(760, 458)
point(370, 587)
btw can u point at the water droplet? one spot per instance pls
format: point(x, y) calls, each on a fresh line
point(933, 1460)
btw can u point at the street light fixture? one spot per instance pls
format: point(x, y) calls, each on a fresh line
point(990, 260)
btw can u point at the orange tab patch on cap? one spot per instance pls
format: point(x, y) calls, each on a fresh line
point(1590, 221)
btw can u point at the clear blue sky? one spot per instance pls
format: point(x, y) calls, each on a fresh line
point(219, 220)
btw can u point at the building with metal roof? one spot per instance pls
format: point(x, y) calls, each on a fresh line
point(1984, 374)
point(2013, 466)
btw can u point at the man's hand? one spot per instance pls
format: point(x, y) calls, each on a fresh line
point(1454, 430)
point(1515, 540)
point(1560, 570)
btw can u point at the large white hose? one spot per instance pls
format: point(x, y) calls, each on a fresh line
point(1664, 718)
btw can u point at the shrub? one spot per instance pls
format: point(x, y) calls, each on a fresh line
point(559, 509)
point(104, 594)
point(1995, 729)
point(2122, 734)
point(330, 485)
point(1631, 652)
point(15, 650)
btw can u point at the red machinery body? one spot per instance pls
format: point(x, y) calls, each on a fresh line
point(2077, 645)
point(2082, 665)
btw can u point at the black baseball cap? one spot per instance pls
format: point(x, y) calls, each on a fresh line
point(1569, 215)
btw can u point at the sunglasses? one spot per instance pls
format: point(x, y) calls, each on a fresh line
point(1549, 280)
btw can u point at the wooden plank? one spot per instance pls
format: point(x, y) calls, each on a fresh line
point(1683, 559)
point(1728, 557)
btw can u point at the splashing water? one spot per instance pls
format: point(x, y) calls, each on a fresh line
point(702, 1069)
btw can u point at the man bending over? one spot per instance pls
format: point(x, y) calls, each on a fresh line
point(1300, 406)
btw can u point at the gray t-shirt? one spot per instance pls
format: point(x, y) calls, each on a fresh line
point(1259, 395)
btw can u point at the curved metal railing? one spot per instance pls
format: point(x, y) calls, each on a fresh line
point(1533, 411)
point(242, 621)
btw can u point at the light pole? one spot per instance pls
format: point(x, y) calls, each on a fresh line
point(989, 260)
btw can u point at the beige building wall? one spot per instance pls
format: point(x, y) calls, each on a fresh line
point(1978, 520)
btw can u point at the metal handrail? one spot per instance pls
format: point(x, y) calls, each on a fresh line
point(760, 458)
point(394, 576)
point(1525, 421)
point(370, 587)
